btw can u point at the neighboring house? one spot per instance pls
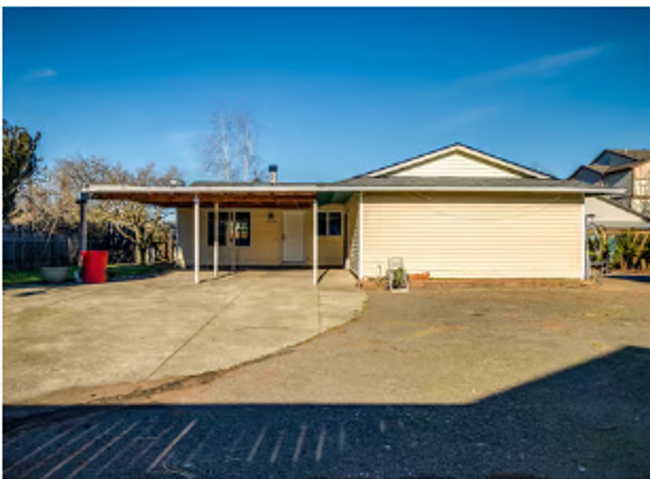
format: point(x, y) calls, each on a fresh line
point(455, 212)
point(628, 169)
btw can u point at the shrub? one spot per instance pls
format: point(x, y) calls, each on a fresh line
point(631, 251)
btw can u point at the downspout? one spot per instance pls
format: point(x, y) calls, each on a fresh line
point(83, 229)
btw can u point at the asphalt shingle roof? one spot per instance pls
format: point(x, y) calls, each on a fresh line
point(470, 182)
point(637, 155)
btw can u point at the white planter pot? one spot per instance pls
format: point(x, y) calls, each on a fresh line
point(56, 274)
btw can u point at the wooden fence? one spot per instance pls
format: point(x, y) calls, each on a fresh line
point(24, 250)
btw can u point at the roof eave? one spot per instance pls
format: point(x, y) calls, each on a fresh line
point(107, 189)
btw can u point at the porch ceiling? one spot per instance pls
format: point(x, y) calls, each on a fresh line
point(333, 197)
point(287, 200)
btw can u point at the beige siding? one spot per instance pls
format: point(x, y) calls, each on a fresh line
point(642, 189)
point(475, 235)
point(352, 207)
point(330, 248)
point(642, 171)
point(456, 164)
point(641, 206)
point(266, 240)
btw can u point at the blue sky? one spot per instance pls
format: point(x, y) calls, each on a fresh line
point(334, 92)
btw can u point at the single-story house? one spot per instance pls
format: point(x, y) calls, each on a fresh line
point(455, 212)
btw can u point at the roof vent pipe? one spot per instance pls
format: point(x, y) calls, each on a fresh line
point(273, 173)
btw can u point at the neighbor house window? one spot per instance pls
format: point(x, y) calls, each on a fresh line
point(329, 223)
point(242, 227)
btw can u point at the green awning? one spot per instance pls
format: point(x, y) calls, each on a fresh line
point(332, 197)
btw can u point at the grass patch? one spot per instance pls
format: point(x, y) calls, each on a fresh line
point(114, 271)
point(14, 278)
point(117, 271)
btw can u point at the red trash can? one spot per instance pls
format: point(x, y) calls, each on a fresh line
point(94, 266)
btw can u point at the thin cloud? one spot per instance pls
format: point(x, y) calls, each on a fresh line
point(184, 137)
point(537, 67)
point(43, 73)
point(464, 118)
point(540, 66)
point(187, 147)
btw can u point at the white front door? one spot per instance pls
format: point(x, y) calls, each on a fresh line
point(293, 237)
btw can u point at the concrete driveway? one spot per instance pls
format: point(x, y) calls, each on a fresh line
point(451, 345)
point(60, 342)
point(454, 383)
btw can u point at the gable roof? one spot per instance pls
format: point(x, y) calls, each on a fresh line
point(600, 169)
point(635, 157)
point(456, 147)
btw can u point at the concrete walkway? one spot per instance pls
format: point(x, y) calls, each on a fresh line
point(60, 341)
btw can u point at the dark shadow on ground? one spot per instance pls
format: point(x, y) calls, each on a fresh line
point(36, 292)
point(589, 421)
point(631, 277)
point(322, 275)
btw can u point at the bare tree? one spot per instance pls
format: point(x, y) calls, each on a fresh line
point(246, 140)
point(56, 208)
point(218, 158)
point(137, 222)
point(230, 153)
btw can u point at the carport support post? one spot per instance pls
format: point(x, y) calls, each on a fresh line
point(215, 243)
point(83, 230)
point(315, 242)
point(197, 238)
